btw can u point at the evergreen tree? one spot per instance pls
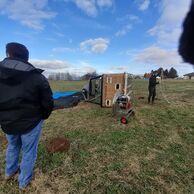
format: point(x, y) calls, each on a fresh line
point(165, 73)
point(172, 73)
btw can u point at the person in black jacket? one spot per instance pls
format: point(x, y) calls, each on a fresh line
point(152, 87)
point(186, 43)
point(25, 101)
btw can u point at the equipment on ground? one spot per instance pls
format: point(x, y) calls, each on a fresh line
point(122, 107)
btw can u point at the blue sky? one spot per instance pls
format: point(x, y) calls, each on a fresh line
point(106, 36)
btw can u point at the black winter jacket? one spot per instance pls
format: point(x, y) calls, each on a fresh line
point(25, 96)
point(153, 81)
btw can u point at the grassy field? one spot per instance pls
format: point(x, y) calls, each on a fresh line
point(154, 153)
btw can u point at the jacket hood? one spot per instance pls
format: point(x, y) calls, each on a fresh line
point(14, 70)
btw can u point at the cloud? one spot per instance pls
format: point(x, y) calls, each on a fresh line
point(129, 21)
point(158, 56)
point(168, 28)
point(128, 18)
point(87, 69)
point(167, 31)
point(63, 50)
point(83, 67)
point(90, 7)
point(131, 52)
point(98, 45)
point(56, 65)
point(119, 69)
point(102, 3)
point(124, 30)
point(133, 17)
point(145, 5)
point(166, 36)
point(30, 13)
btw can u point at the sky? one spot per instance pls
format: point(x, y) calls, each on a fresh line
point(106, 36)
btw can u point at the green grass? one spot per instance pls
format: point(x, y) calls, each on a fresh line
point(154, 153)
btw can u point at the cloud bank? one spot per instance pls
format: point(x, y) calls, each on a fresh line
point(91, 7)
point(29, 13)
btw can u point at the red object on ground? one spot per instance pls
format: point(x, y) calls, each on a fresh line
point(58, 145)
point(124, 120)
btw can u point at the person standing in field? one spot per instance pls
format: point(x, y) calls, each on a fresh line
point(152, 87)
point(25, 101)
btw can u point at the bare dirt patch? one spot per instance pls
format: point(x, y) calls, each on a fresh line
point(58, 145)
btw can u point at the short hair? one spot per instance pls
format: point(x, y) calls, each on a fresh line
point(17, 50)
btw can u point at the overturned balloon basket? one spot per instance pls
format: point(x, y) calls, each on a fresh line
point(112, 90)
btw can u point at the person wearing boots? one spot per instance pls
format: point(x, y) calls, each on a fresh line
point(25, 101)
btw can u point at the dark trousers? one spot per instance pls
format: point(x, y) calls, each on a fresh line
point(152, 94)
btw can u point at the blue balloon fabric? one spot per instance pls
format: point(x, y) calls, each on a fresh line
point(57, 95)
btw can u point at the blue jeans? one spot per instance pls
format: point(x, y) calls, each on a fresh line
point(28, 143)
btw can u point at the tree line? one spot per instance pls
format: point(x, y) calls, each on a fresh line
point(164, 73)
point(68, 76)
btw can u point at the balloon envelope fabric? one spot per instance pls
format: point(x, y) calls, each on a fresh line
point(57, 95)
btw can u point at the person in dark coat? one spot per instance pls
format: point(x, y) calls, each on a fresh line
point(152, 87)
point(25, 101)
point(186, 43)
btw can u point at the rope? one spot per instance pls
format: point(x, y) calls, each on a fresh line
point(162, 88)
point(90, 100)
point(171, 104)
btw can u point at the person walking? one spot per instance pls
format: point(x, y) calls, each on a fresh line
point(25, 101)
point(152, 87)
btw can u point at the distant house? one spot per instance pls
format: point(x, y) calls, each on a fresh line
point(147, 75)
point(189, 76)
